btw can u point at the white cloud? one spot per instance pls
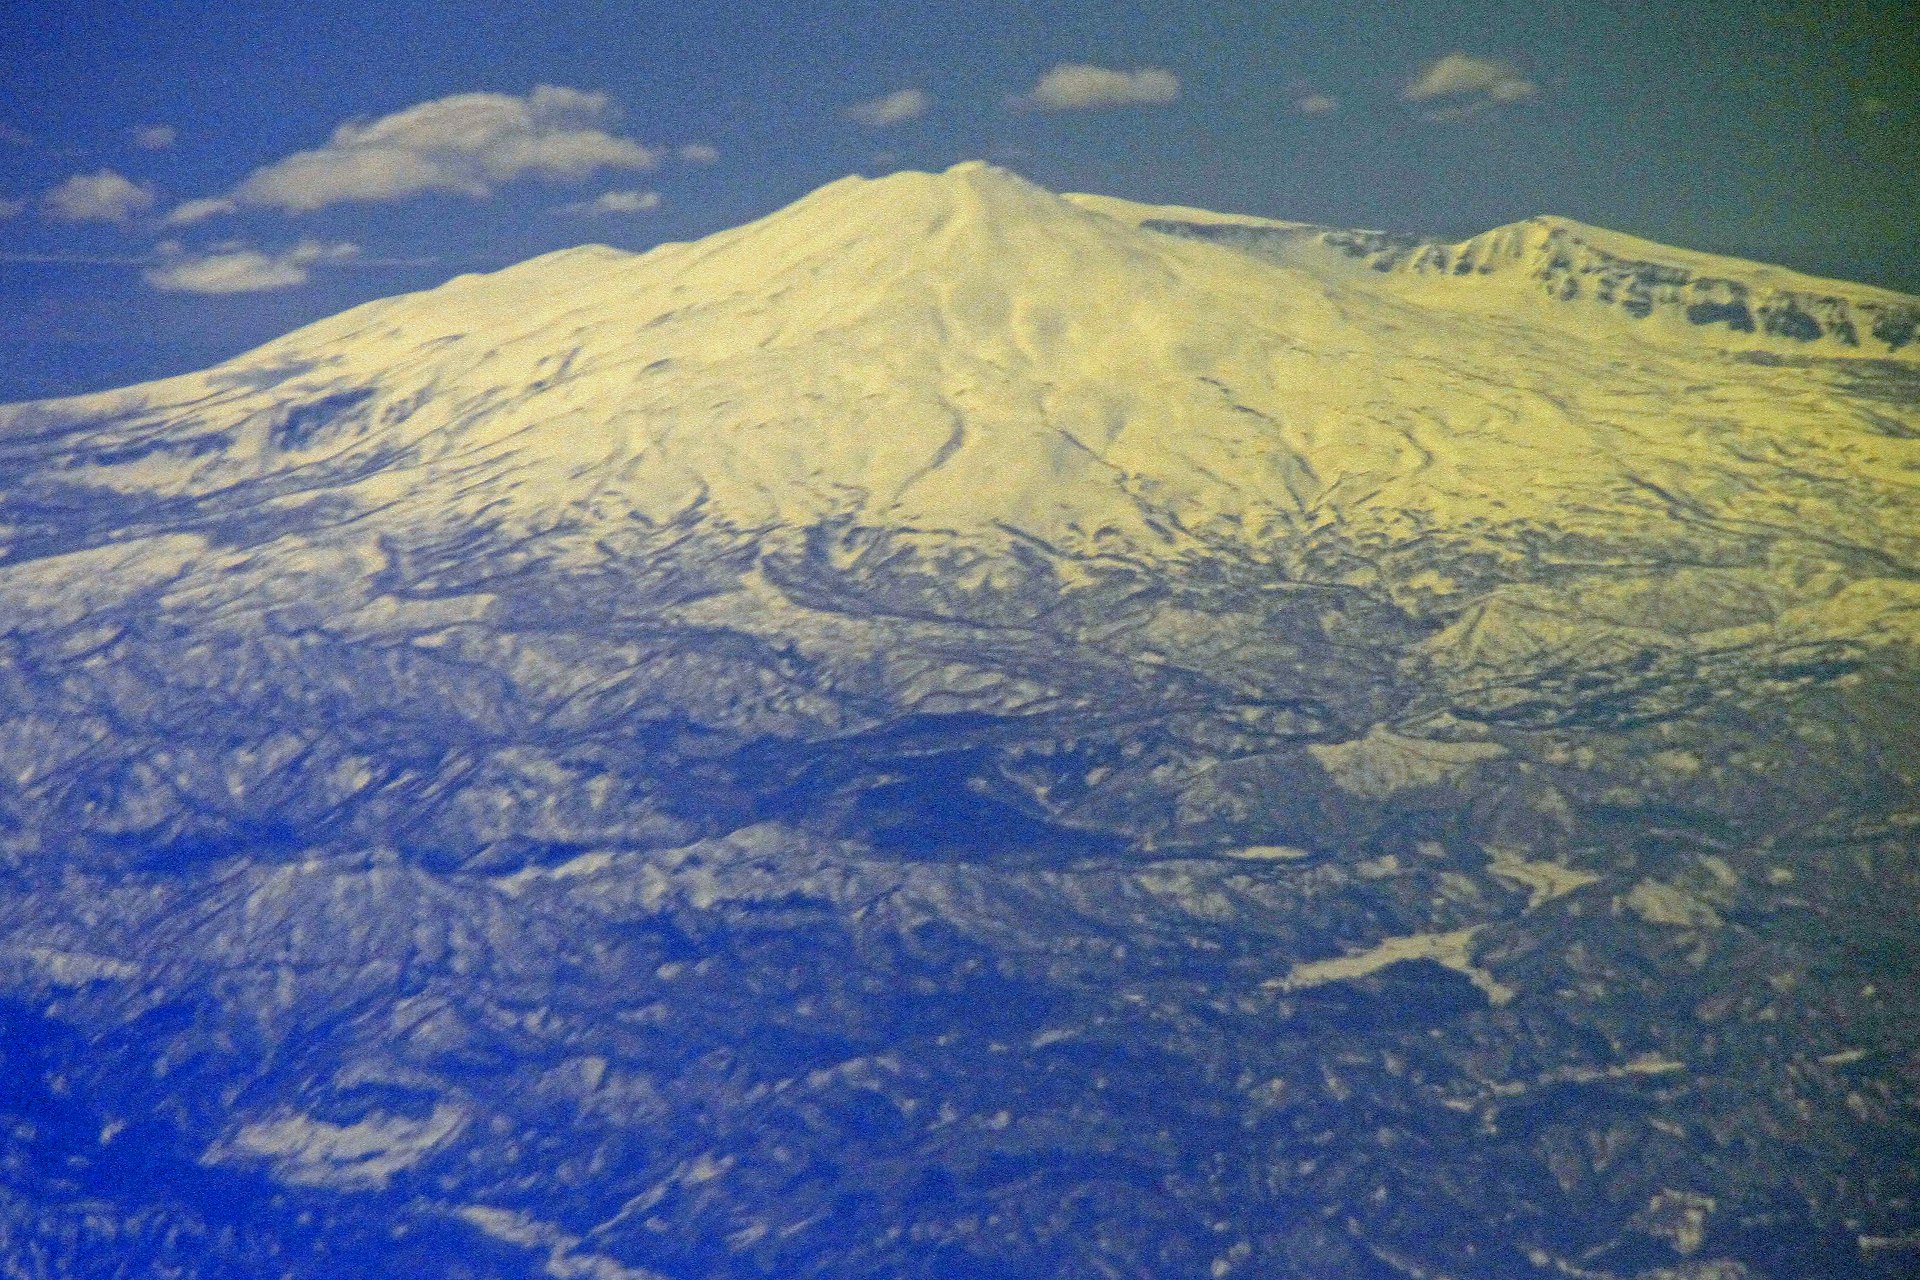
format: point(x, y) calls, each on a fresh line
point(233, 269)
point(98, 197)
point(189, 212)
point(10, 208)
point(1462, 85)
point(889, 108)
point(1075, 86)
point(699, 153)
point(615, 202)
point(155, 137)
point(1316, 104)
point(468, 144)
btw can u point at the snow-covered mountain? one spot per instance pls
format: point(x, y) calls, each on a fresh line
point(954, 730)
point(1785, 312)
point(965, 352)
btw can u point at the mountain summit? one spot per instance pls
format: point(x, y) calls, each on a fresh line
point(967, 351)
point(960, 731)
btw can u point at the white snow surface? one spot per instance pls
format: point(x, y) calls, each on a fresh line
point(965, 351)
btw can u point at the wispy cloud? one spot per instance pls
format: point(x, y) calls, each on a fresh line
point(105, 196)
point(189, 212)
point(1076, 86)
point(615, 202)
point(10, 208)
point(237, 269)
point(889, 108)
point(15, 137)
point(155, 137)
point(81, 259)
point(1460, 85)
point(1311, 102)
point(467, 144)
point(699, 153)
point(172, 253)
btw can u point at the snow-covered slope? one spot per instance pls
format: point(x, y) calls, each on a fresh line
point(962, 400)
point(954, 730)
point(1742, 306)
point(965, 351)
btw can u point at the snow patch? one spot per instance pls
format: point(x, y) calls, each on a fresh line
point(362, 1156)
point(1452, 950)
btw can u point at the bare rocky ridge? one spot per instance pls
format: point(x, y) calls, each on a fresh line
point(955, 730)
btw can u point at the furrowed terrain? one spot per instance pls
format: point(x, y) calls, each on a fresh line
point(955, 730)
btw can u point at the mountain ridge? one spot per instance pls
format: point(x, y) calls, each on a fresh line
point(1752, 306)
point(964, 351)
point(944, 733)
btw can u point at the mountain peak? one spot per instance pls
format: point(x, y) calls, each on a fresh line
point(972, 189)
point(952, 731)
point(963, 350)
point(1729, 302)
point(1572, 261)
point(1547, 241)
point(982, 171)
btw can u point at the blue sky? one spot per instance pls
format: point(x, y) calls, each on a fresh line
point(182, 182)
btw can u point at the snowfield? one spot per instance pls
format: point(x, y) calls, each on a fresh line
point(960, 731)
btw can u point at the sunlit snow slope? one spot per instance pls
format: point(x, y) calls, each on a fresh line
point(966, 351)
point(954, 730)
